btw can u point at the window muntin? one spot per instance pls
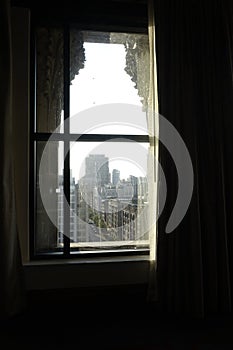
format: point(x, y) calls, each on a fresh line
point(118, 227)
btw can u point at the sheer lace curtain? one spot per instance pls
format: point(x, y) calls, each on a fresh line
point(11, 300)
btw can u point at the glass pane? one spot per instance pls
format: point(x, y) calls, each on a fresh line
point(49, 79)
point(109, 83)
point(109, 195)
point(49, 198)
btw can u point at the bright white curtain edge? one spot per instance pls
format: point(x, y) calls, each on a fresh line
point(153, 128)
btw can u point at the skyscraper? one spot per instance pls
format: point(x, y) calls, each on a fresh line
point(97, 166)
point(115, 176)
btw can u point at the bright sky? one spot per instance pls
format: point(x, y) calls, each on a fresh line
point(103, 80)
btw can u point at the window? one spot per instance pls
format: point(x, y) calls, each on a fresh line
point(90, 142)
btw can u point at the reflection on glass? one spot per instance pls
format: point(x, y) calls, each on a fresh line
point(49, 200)
point(114, 70)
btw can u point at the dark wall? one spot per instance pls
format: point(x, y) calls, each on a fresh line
point(117, 14)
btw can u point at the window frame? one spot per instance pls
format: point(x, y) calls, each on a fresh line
point(68, 137)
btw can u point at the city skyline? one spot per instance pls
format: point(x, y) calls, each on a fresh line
point(104, 206)
point(119, 165)
point(129, 158)
point(126, 167)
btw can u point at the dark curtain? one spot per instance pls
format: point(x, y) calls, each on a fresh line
point(194, 49)
point(11, 277)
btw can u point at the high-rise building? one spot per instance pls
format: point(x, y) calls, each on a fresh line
point(97, 165)
point(134, 181)
point(115, 176)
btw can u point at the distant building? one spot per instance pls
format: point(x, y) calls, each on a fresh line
point(134, 182)
point(108, 192)
point(72, 234)
point(97, 165)
point(124, 190)
point(115, 177)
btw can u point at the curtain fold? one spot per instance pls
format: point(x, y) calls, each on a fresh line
point(194, 50)
point(11, 277)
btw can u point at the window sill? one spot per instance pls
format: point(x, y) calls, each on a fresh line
point(91, 272)
point(93, 260)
